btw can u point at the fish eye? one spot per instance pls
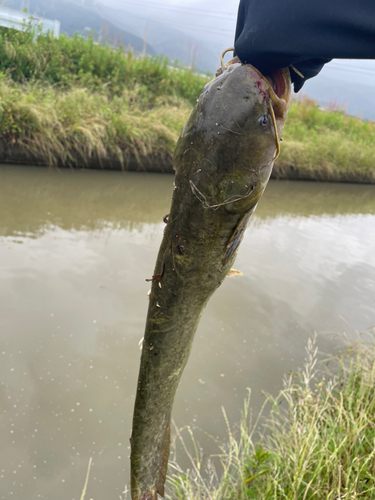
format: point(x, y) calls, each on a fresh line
point(263, 120)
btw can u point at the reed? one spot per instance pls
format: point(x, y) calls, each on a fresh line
point(327, 143)
point(317, 441)
point(29, 56)
point(70, 127)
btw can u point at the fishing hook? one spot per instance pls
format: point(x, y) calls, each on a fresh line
point(223, 65)
point(272, 113)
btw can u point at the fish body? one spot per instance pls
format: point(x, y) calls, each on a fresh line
point(223, 161)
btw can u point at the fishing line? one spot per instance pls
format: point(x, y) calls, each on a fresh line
point(296, 70)
point(177, 216)
point(233, 131)
point(231, 199)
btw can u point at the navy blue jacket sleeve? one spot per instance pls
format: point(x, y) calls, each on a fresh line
point(273, 34)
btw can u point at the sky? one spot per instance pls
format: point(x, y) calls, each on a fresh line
point(208, 20)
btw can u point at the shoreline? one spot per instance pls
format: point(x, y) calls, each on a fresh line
point(124, 113)
point(162, 163)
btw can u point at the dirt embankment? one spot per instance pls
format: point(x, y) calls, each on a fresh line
point(157, 163)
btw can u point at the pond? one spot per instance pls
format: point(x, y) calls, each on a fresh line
point(75, 249)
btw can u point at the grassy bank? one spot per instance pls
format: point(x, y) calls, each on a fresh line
point(327, 144)
point(73, 126)
point(71, 102)
point(318, 441)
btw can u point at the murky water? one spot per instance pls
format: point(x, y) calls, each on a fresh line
point(75, 248)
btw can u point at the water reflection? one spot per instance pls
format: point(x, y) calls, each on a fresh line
point(33, 199)
point(75, 248)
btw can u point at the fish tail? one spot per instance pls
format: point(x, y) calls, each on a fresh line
point(164, 463)
point(156, 491)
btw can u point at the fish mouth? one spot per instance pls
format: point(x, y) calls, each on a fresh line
point(278, 84)
point(279, 90)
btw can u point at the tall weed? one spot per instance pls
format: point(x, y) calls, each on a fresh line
point(30, 56)
point(317, 443)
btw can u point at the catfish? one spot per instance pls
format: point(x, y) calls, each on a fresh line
point(223, 161)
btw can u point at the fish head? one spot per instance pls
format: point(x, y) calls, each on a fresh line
point(232, 137)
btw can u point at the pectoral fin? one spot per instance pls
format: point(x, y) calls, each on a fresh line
point(233, 272)
point(237, 235)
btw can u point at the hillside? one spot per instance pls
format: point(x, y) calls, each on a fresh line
point(80, 19)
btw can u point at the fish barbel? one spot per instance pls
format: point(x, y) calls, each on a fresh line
point(223, 161)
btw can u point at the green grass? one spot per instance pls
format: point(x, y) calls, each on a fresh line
point(71, 102)
point(317, 442)
point(75, 125)
point(29, 56)
point(328, 143)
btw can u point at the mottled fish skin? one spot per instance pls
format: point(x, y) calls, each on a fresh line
point(223, 161)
